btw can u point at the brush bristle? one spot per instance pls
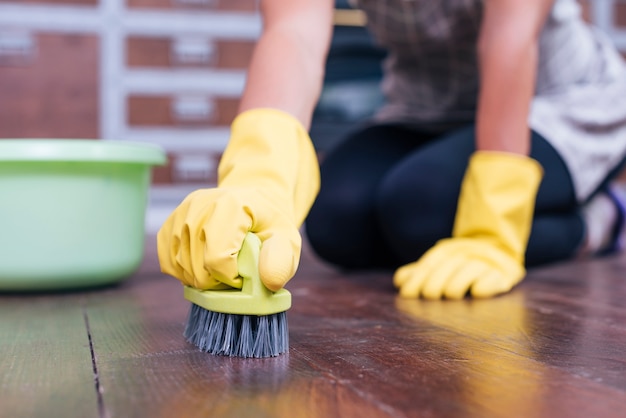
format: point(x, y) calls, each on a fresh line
point(237, 335)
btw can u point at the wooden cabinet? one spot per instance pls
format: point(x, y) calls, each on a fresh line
point(188, 52)
point(620, 14)
point(56, 2)
point(169, 72)
point(49, 85)
point(204, 5)
point(187, 111)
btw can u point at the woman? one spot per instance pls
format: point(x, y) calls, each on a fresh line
point(503, 118)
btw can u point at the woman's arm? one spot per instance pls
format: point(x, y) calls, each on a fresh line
point(485, 255)
point(287, 67)
point(508, 59)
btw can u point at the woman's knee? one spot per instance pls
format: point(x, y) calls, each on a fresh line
point(417, 200)
point(413, 215)
point(337, 227)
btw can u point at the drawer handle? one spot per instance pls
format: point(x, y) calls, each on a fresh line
point(193, 51)
point(188, 167)
point(17, 46)
point(195, 2)
point(189, 109)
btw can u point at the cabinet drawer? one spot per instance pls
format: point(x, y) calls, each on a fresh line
point(163, 174)
point(49, 85)
point(188, 168)
point(188, 53)
point(586, 9)
point(56, 2)
point(181, 111)
point(221, 5)
point(620, 15)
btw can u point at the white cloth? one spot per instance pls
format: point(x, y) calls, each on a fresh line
point(580, 106)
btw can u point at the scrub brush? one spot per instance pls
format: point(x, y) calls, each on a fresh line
point(246, 322)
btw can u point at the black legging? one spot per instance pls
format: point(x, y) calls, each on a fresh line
point(389, 193)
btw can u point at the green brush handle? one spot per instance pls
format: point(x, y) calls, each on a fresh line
point(253, 298)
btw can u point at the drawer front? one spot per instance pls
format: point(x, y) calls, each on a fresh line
point(181, 111)
point(188, 168)
point(620, 15)
point(188, 53)
point(56, 2)
point(209, 5)
point(586, 9)
point(49, 85)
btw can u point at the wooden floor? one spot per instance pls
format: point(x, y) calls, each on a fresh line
point(555, 347)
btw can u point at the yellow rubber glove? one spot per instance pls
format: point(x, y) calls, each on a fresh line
point(268, 178)
point(485, 255)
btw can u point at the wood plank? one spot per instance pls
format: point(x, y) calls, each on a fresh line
point(486, 348)
point(46, 366)
point(553, 347)
point(357, 349)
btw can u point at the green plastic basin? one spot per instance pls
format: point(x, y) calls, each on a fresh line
point(72, 212)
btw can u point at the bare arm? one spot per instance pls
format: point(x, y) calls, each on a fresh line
point(287, 67)
point(508, 59)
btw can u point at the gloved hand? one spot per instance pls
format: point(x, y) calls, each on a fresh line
point(485, 255)
point(268, 178)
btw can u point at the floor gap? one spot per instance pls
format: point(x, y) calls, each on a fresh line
point(94, 365)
